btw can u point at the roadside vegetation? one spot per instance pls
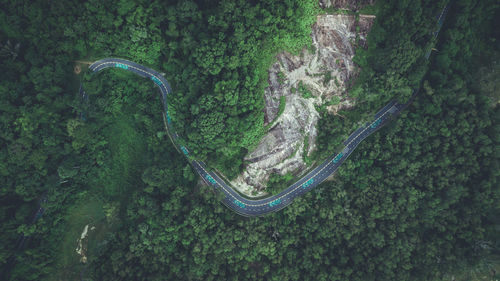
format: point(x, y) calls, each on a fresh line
point(220, 70)
point(278, 183)
point(417, 201)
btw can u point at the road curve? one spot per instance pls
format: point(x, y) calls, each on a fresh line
point(233, 199)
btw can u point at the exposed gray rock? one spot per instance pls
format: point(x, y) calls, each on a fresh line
point(281, 150)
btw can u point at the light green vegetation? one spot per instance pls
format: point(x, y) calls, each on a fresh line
point(312, 49)
point(88, 210)
point(281, 77)
point(307, 158)
point(487, 78)
point(281, 106)
point(128, 157)
point(281, 109)
point(304, 90)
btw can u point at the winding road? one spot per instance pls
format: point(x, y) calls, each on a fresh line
point(232, 199)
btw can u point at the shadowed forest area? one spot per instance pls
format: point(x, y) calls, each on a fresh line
point(418, 200)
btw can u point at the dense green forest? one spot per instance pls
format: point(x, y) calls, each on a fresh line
point(417, 201)
point(220, 112)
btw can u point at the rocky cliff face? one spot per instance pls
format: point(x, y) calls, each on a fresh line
point(316, 77)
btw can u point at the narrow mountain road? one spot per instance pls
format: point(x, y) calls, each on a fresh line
point(233, 199)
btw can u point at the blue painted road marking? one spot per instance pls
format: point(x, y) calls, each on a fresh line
point(156, 80)
point(184, 150)
point(210, 179)
point(240, 204)
point(169, 120)
point(275, 202)
point(121, 65)
point(308, 183)
point(376, 123)
point(338, 157)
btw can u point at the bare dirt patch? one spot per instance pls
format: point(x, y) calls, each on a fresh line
point(77, 69)
point(82, 242)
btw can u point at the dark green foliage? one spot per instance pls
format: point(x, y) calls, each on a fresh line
point(392, 65)
point(412, 204)
point(277, 182)
point(394, 62)
point(216, 56)
point(417, 201)
point(225, 57)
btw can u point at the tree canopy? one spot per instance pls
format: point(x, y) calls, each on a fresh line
point(417, 201)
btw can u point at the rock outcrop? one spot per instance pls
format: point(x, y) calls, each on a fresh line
point(318, 76)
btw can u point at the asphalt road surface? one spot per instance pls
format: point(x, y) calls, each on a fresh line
point(232, 199)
